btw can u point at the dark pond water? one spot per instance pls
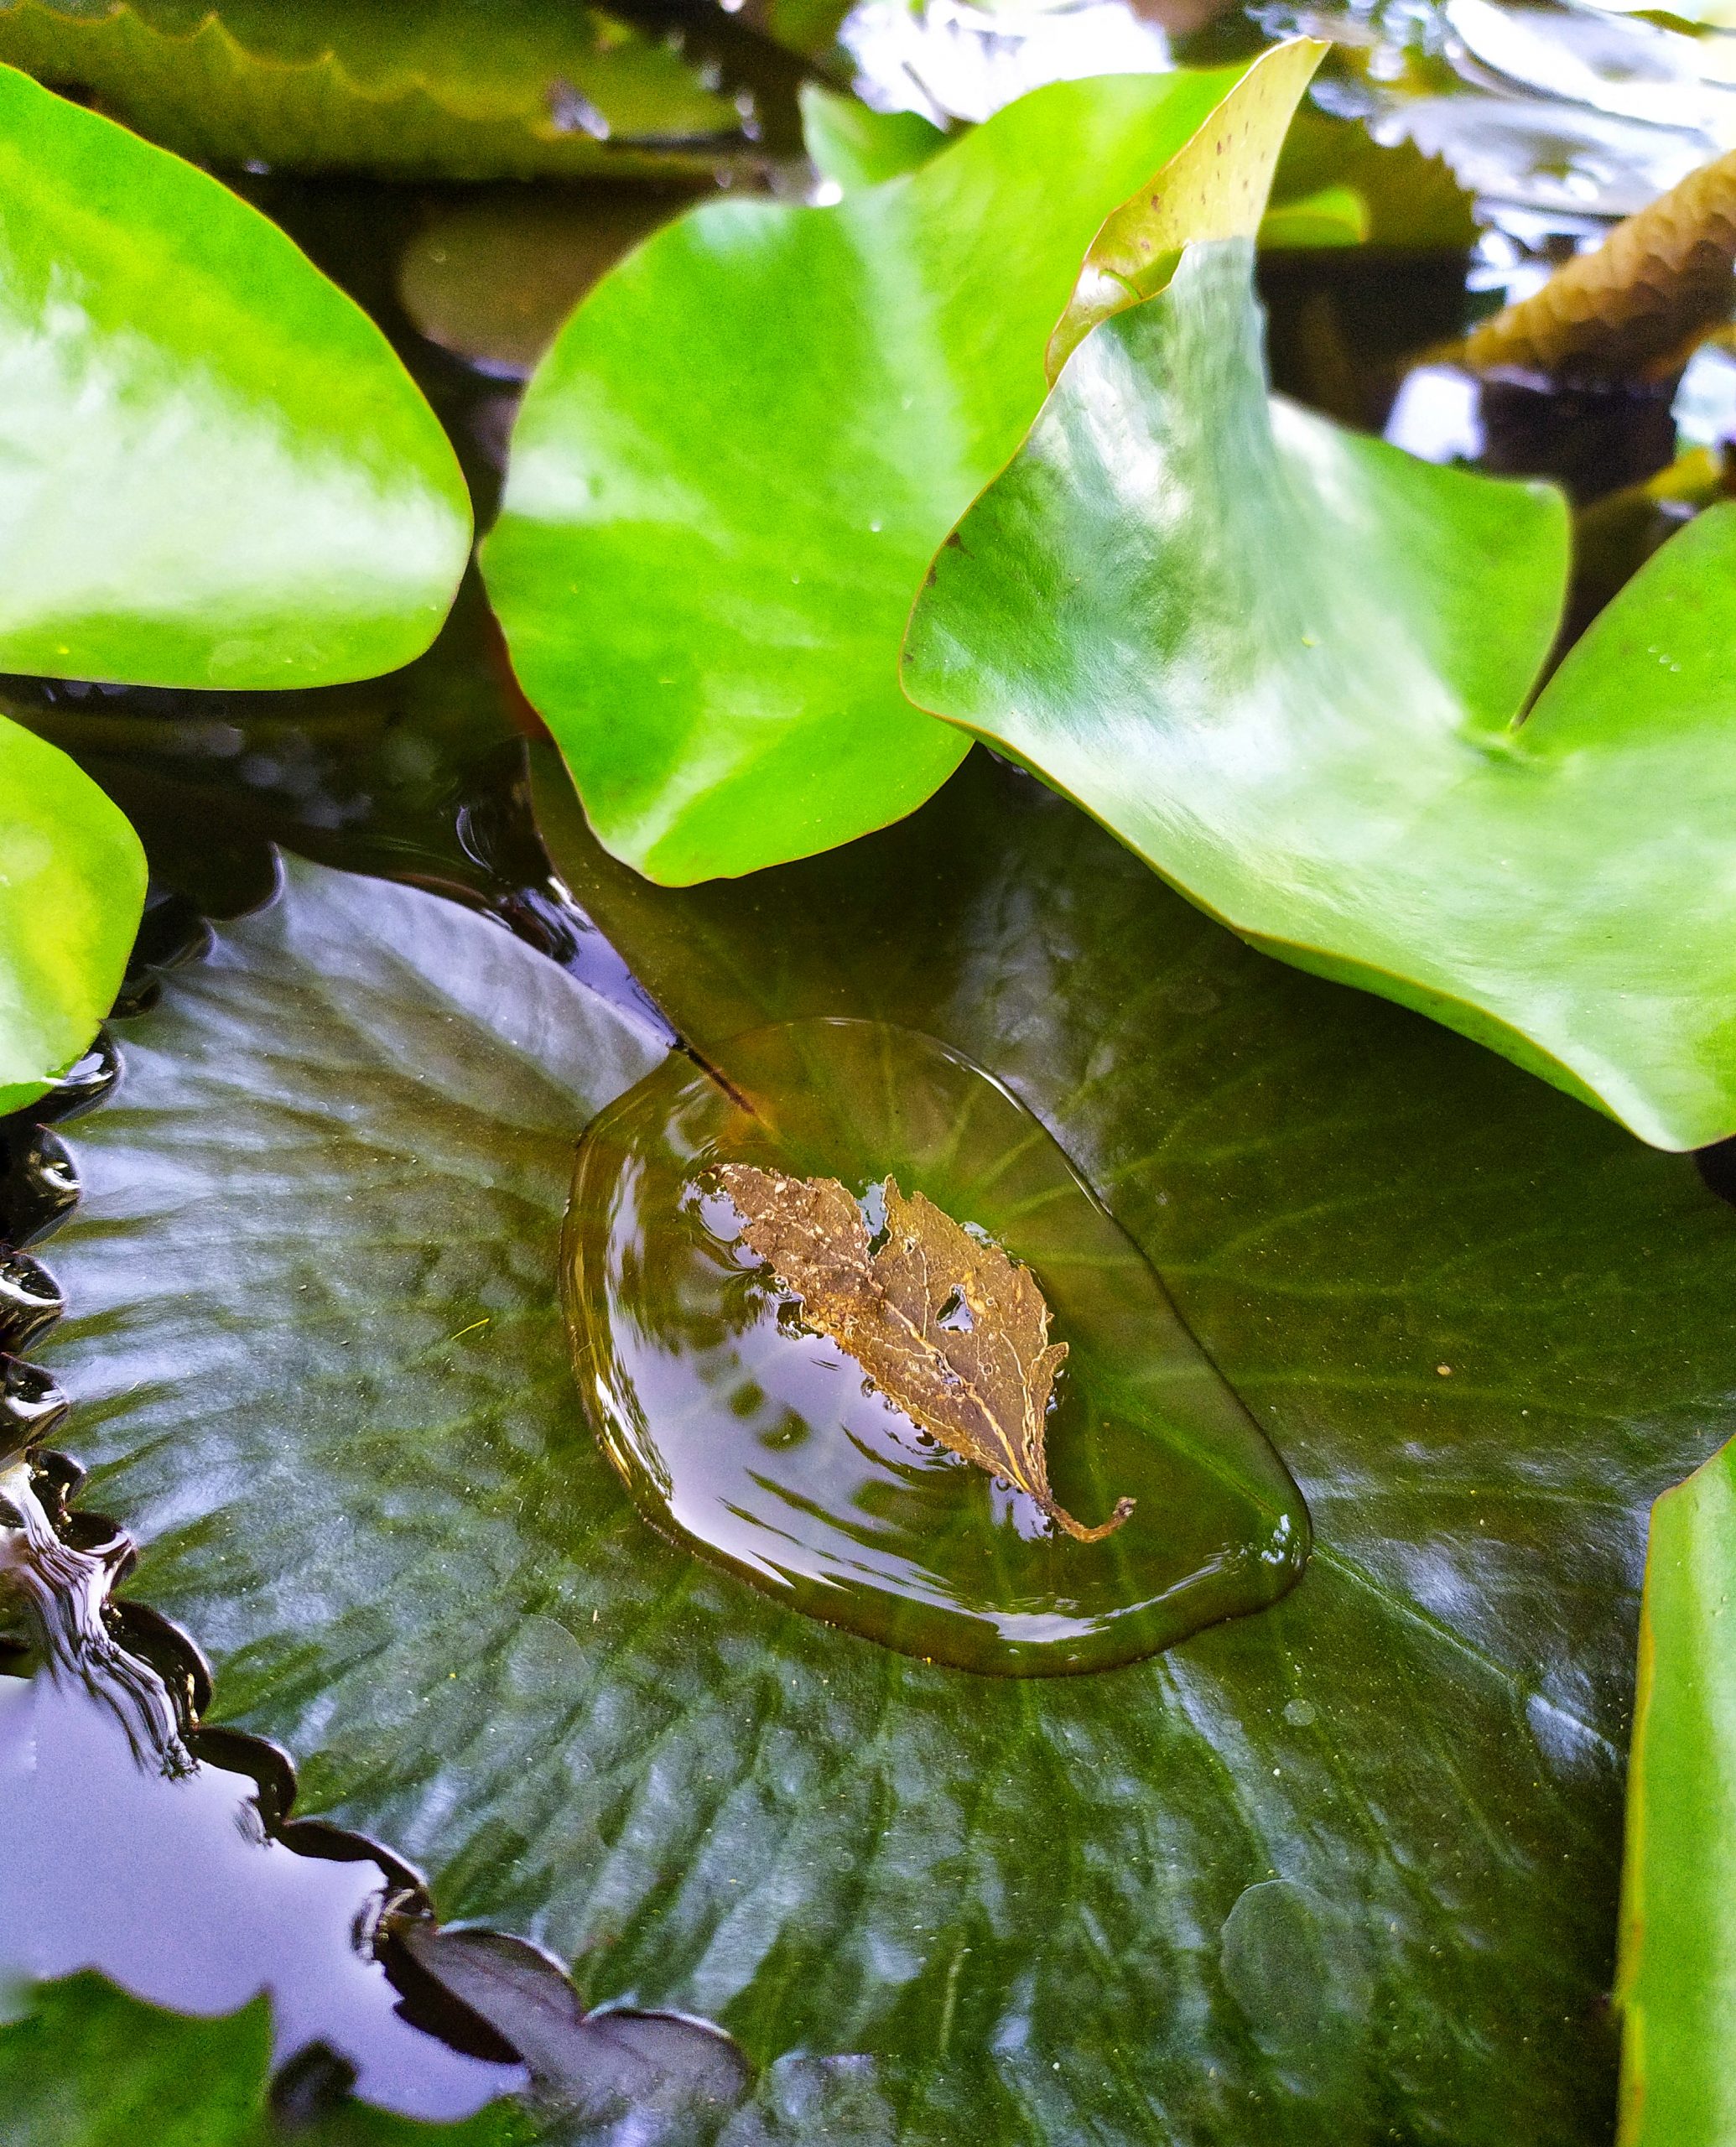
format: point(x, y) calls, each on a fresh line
point(166, 1856)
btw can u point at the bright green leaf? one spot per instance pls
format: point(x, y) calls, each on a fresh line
point(213, 470)
point(1677, 1982)
point(1414, 204)
point(854, 146)
point(72, 884)
point(85, 2065)
point(1215, 187)
point(1337, 216)
point(316, 1359)
point(732, 468)
point(464, 89)
point(1286, 664)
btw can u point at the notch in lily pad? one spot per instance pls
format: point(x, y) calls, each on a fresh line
point(1291, 666)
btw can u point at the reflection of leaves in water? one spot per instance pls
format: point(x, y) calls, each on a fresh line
point(947, 1328)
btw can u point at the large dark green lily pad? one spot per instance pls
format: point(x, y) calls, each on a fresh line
point(1290, 667)
point(213, 469)
point(1342, 1870)
point(470, 89)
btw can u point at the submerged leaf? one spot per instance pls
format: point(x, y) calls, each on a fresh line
point(459, 89)
point(1337, 216)
point(1633, 307)
point(1413, 203)
point(947, 1328)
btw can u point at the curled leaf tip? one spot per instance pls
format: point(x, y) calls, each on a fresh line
point(949, 1329)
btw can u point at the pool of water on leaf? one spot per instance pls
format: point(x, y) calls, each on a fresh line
point(757, 1442)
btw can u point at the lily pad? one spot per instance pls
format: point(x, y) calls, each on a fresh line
point(712, 531)
point(461, 89)
point(213, 470)
point(87, 2066)
point(1678, 1994)
point(1290, 667)
point(1414, 204)
point(72, 886)
point(315, 1350)
point(854, 146)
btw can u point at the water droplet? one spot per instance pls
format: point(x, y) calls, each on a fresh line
point(759, 1444)
point(1297, 1965)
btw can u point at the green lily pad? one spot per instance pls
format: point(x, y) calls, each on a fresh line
point(85, 2065)
point(1335, 215)
point(1676, 1989)
point(1413, 203)
point(213, 470)
point(710, 538)
point(72, 886)
point(854, 146)
point(1288, 665)
point(315, 1354)
point(461, 89)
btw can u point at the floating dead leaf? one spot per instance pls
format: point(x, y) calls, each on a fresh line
point(1635, 307)
point(946, 1326)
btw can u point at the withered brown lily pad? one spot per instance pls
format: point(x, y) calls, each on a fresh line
point(950, 1330)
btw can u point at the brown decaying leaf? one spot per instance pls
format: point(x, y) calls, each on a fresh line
point(947, 1328)
point(1635, 307)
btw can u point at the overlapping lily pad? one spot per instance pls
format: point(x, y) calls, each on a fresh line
point(72, 884)
point(1288, 666)
point(213, 470)
point(1678, 1994)
point(731, 468)
point(84, 2066)
point(315, 1350)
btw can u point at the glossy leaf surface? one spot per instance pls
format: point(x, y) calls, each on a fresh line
point(731, 470)
point(1677, 1985)
point(465, 89)
point(1286, 664)
point(213, 470)
point(1034, 1913)
point(72, 884)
